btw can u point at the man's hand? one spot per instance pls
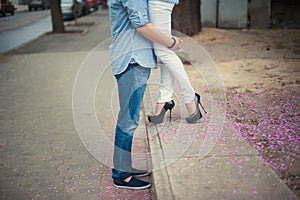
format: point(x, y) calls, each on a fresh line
point(152, 33)
point(178, 44)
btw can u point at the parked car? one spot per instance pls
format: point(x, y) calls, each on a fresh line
point(36, 4)
point(71, 9)
point(94, 4)
point(86, 8)
point(6, 7)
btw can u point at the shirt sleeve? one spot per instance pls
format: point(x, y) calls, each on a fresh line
point(137, 11)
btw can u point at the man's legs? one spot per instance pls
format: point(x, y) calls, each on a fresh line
point(131, 88)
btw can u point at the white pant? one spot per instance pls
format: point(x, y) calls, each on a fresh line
point(171, 65)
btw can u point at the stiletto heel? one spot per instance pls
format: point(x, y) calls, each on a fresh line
point(198, 97)
point(156, 119)
point(197, 115)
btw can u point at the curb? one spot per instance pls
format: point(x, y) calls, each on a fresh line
point(161, 189)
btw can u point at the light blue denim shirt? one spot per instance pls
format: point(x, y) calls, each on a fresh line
point(127, 44)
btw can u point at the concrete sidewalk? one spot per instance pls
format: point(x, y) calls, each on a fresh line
point(232, 169)
point(42, 156)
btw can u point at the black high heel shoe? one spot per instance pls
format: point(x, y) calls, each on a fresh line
point(156, 119)
point(197, 115)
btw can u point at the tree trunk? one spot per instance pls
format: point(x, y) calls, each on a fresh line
point(56, 17)
point(104, 4)
point(186, 17)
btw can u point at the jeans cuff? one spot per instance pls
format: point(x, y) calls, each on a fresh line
point(123, 176)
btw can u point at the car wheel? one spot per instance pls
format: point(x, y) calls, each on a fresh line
point(12, 13)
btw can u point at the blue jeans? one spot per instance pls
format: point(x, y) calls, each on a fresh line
point(131, 88)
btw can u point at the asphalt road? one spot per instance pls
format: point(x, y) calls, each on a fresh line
point(23, 27)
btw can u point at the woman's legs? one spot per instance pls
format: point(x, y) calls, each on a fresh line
point(171, 65)
point(160, 15)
